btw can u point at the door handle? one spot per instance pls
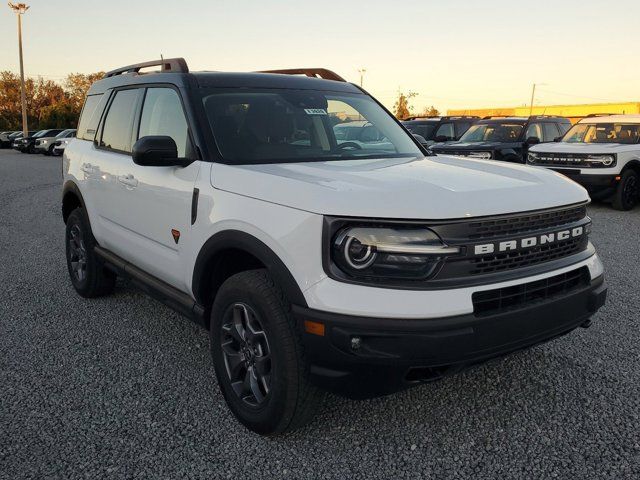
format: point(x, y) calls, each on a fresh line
point(128, 180)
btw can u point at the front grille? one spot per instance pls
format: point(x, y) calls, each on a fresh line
point(525, 223)
point(517, 296)
point(561, 160)
point(524, 258)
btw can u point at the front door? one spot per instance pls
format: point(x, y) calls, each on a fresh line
point(157, 219)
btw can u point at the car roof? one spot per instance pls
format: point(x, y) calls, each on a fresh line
point(612, 119)
point(224, 80)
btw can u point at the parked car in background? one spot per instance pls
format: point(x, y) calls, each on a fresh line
point(28, 145)
point(17, 140)
point(602, 153)
point(61, 143)
point(5, 138)
point(505, 138)
point(439, 129)
point(45, 144)
point(359, 135)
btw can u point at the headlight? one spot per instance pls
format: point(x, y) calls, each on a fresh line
point(65, 142)
point(601, 160)
point(378, 253)
point(532, 157)
point(44, 142)
point(480, 155)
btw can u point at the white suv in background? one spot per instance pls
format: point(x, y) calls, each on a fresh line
point(316, 263)
point(600, 152)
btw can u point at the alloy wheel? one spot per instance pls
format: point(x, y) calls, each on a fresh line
point(246, 353)
point(78, 253)
point(630, 190)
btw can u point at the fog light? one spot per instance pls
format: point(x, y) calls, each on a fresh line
point(356, 343)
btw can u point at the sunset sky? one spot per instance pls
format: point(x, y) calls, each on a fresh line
point(453, 53)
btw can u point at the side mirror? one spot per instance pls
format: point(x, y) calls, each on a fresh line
point(442, 138)
point(532, 141)
point(157, 151)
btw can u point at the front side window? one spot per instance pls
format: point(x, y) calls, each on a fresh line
point(116, 133)
point(162, 114)
point(272, 126)
point(534, 130)
point(493, 132)
point(603, 133)
point(550, 132)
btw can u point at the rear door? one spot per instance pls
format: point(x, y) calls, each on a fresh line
point(156, 220)
point(104, 167)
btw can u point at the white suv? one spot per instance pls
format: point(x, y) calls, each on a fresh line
point(316, 264)
point(600, 152)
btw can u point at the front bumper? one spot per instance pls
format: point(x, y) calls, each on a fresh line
point(392, 354)
point(595, 183)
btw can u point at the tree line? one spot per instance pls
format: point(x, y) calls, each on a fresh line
point(403, 109)
point(49, 104)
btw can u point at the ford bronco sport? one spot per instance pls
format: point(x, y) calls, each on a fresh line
point(439, 129)
point(316, 264)
point(600, 152)
point(505, 138)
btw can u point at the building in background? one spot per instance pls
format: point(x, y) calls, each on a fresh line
point(573, 112)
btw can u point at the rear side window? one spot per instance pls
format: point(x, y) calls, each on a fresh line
point(462, 127)
point(89, 118)
point(564, 128)
point(116, 133)
point(446, 130)
point(162, 114)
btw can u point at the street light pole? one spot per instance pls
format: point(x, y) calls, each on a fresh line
point(20, 9)
point(362, 72)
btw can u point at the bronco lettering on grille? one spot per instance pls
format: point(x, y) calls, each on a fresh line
point(528, 242)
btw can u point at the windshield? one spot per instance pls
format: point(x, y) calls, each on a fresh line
point(425, 130)
point(603, 133)
point(493, 132)
point(64, 133)
point(40, 133)
point(272, 126)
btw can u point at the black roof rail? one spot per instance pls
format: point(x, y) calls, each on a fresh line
point(489, 117)
point(531, 117)
point(443, 117)
point(591, 115)
point(309, 72)
point(175, 65)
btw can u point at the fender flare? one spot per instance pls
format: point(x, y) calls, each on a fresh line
point(71, 187)
point(238, 240)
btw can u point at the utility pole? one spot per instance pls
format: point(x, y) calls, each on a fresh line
point(533, 94)
point(362, 71)
point(20, 9)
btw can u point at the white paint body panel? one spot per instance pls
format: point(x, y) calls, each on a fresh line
point(431, 188)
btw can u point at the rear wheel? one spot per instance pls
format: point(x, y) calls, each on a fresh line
point(258, 356)
point(87, 272)
point(627, 192)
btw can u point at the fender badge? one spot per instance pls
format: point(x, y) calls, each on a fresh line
point(176, 235)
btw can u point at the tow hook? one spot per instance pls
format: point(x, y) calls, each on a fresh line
point(586, 324)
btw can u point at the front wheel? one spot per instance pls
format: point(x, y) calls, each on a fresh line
point(258, 356)
point(627, 192)
point(87, 272)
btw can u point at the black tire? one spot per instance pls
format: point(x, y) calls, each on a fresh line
point(628, 191)
point(290, 400)
point(87, 272)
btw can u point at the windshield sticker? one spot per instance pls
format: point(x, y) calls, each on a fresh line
point(315, 111)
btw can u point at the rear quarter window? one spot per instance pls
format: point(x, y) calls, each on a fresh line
point(90, 117)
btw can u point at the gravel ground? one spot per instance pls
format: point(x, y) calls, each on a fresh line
point(122, 387)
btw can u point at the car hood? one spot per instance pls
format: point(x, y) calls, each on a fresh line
point(565, 147)
point(418, 188)
point(473, 146)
